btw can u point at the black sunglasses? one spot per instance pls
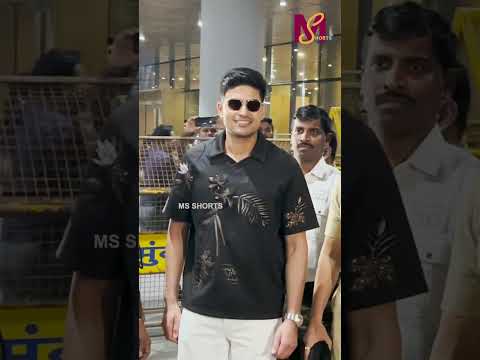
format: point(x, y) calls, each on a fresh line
point(236, 104)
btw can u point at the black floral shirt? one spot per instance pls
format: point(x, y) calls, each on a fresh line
point(380, 262)
point(240, 213)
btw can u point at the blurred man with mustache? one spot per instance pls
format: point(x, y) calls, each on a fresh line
point(311, 130)
point(411, 52)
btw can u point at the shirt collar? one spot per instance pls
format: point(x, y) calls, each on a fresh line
point(431, 153)
point(321, 170)
point(217, 147)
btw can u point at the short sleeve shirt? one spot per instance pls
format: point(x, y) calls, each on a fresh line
point(240, 213)
point(380, 262)
point(334, 221)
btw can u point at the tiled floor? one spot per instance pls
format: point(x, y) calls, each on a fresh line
point(162, 349)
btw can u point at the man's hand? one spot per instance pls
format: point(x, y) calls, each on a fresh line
point(171, 322)
point(285, 340)
point(145, 342)
point(315, 333)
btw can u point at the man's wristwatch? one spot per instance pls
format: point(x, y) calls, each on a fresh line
point(296, 318)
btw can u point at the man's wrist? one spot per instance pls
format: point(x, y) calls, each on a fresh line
point(171, 300)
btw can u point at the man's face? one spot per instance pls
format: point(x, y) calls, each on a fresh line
point(402, 86)
point(308, 140)
point(241, 122)
point(121, 52)
point(266, 130)
point(204, 132)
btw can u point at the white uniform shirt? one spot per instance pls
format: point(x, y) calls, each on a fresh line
point(433, 183)
point(320, 181)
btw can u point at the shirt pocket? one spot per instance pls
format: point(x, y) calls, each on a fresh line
point(435, 258)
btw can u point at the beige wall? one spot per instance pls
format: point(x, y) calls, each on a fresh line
point(83, 25)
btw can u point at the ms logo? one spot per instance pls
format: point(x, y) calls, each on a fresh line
point(306, 31)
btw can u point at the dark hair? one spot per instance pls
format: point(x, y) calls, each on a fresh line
point(311, 113)
point(411, 20)
point(333, 143)
point(243, 76)
point(57, 62)
point(461, 94)
point(162, 130)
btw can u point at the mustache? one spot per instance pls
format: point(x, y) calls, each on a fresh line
point(390, 95)
point(304, 144)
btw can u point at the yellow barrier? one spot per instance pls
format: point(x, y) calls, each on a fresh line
point(153, 253)
point(466, 24)
point(34, 333)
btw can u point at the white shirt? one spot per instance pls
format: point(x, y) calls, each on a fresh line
point(433, 183)
point(320, 181)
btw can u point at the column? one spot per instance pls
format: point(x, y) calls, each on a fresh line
point(232, 35)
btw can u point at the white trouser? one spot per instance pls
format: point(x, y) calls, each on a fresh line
point(208, 338)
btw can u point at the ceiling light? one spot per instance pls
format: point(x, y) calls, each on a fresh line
point(329, 65)
point(296, 50)
point(264, 59)
point(173, 78)
point(316, 89)
point(302, 74)
point(194, 79)
point(164, 78)
point(141, 37)
point(301, 54)
point(199, 23)
point(316, 78)
point(180, 78)
point(283, 3)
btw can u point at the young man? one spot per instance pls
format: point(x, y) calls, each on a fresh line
point(380, 263)
point(311, 130)
point(411, 51)
point(266, 127)
point(244, 206)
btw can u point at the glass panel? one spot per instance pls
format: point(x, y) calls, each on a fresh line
point(306, 94)
point(281, 63)
point(164, 54)
point(280, 109)
point(173, 109)
point(195, 74)
point(281, 27)
point(164, 75)
point(329, 94)
point(179, 75)
point(191, 103)
point(331, 58)
point(307, 62)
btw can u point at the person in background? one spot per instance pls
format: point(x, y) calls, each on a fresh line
point(207, 127)
point(454, 115)
point(266, 127)
point(311, 130)
point(410, 55)
point(123, 54)
point(331, 149)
